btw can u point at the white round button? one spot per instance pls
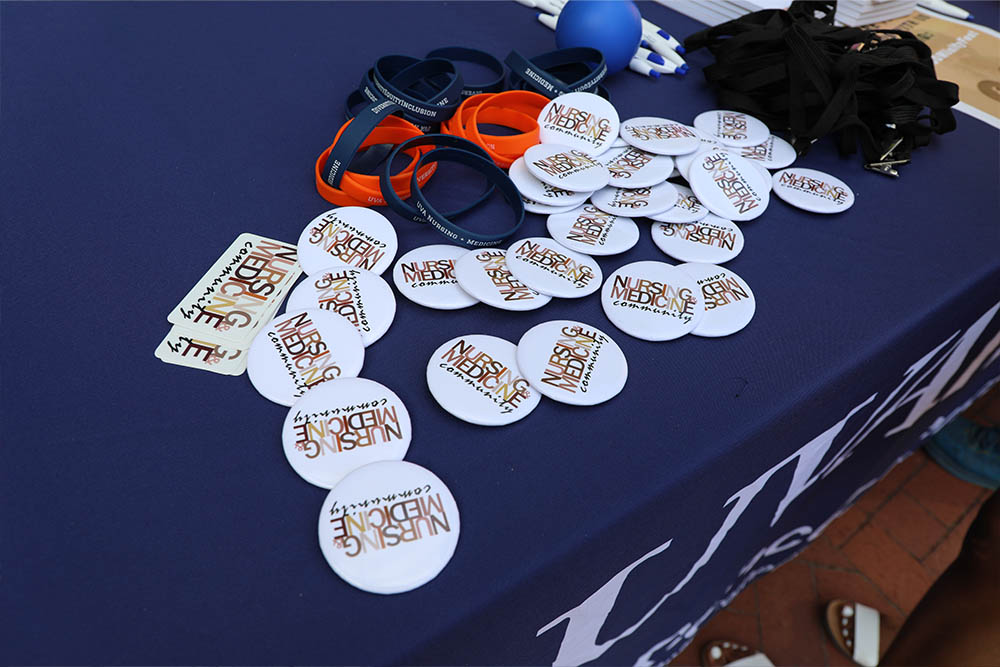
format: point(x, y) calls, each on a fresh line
point(636, 202)
point(547, 267)
point(531, 206)
point(540, 192)
point(426, 275)
point(484, 275)
point(583, 121)
point(590, 230)
point(659, 135)
point(350, 235)
point(774, 153)
point(564, 167)
point(728, 185)
point(389, 527)
point(633, 168)
point(301, 349)
point(572, 362)
point(687, 209)
point(476, 379)
point(765, 175)
point(729, 302)
point(732, 128)
point(684, 162)
point(361, 297)
point(342, 425)
point(652, 301)
point(712, 240)
point(813, 190)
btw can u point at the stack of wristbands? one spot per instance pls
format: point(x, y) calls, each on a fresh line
point(575, 70)
point(403, 102)
point(517, 109)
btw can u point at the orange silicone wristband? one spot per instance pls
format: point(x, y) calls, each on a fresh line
point(456, 124)
point(509, 143)
point(365, 189)
point(502, 148)
point(525, 103)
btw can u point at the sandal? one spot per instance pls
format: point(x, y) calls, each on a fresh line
point(854, 628)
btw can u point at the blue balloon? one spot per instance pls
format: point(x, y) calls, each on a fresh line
point(614, 27)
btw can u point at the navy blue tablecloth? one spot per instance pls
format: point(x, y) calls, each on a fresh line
point(148, 514)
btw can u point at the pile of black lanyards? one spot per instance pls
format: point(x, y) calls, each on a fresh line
point(799, 73)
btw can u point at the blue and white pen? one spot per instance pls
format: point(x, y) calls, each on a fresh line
point(658, 46)
point(653, 29)
point(548, 20)
point(551, 6)
point(658, 63)
point(643, 67)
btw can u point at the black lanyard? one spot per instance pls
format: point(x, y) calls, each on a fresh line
point(799, 73)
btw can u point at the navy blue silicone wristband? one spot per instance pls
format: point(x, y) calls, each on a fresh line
point(535, 73)
point(395, 78)
point(394, 201)
point(386, 88)
point(492, 172)
point(489, 61)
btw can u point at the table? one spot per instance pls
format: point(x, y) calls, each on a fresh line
point(149, 515)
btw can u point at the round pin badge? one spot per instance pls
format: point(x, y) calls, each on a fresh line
point(532, 206)
point(572, 362)
point(542, 193)
point(618, 142)
point(732, 128)
point(773, 153)
point(765, 175)
point(636, 202)
point(631, 167)
point(729, 301)
point(566, 168)
point(549, 268)
point(688, 208)
point(583, 121)
point(426, 275)
point(591, 231)
point(684, 162)
point(361, 297)
point(659, 135)
point(389, 527)
point(350, 235)
point(476, 379)
point(728, 185)
point(342, 425)
point(484, 275)
point(812, 190)
point(301, 349)
point(652, 300)
point(712, 240)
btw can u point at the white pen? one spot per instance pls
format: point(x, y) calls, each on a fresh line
point(656, 61)
point(652, 28)
point(658, 44)
point(643, 67)
point(551, 6)
point(548, 20)
point(946, 8)
point(526, 3)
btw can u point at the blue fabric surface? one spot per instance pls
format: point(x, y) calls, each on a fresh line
point(148, 513)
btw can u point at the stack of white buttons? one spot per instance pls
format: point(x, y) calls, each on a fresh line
point(386, 526)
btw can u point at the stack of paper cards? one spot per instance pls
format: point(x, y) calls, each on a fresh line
point(215, 323)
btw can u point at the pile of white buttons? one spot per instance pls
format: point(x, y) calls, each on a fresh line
point(593, 175)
